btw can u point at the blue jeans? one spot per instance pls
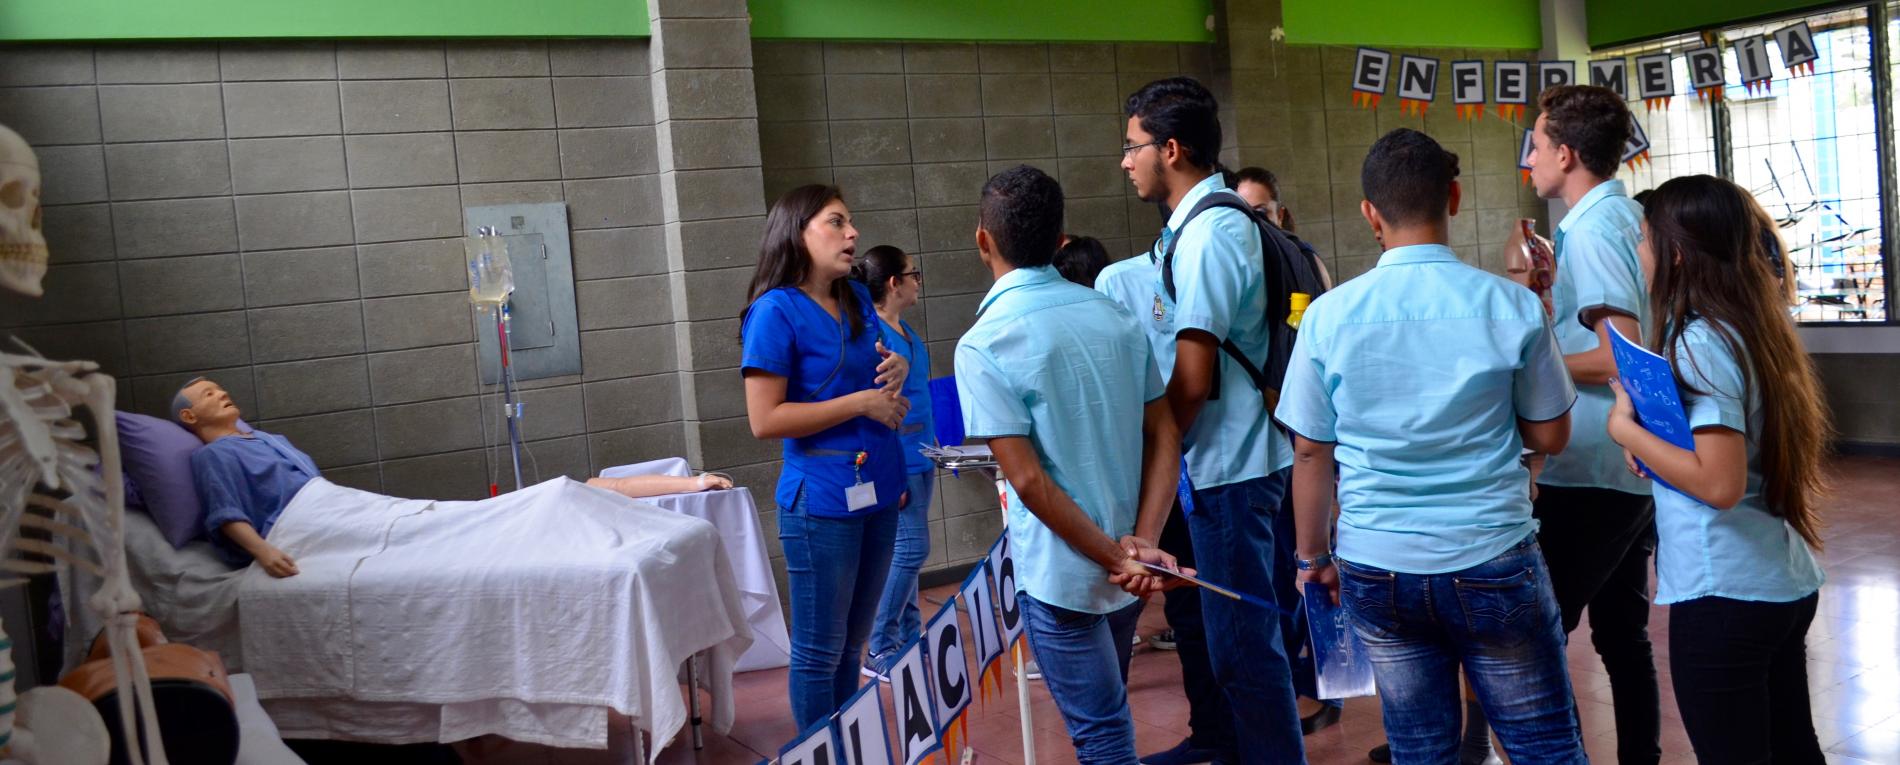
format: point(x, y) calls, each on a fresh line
point(1286, 592)
point(1233, 543)
point(1084, 661)
point(898, 620)
point(1499, 619)
point(835, 568)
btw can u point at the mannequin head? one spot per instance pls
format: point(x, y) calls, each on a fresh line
point(22, 244)
point(206, 409)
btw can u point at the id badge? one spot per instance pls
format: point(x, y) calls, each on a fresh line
point(860, 496)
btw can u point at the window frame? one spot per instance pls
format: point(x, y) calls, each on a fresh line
point(1881, 64)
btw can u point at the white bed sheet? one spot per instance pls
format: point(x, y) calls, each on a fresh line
point(527, 616)
point(558, 594)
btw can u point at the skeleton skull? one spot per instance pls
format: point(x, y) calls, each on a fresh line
point(22, 244)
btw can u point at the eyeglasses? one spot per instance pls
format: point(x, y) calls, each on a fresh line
point(918, 275)
point(1137, 147)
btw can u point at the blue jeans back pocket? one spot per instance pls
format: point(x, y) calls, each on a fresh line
point(1371, 596)
point(1498, 605)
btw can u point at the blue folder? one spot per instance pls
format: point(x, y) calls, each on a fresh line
point(1340, 663)
point(1651, 385)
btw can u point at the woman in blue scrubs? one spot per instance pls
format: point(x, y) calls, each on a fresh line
point(818, 376)
point(896, 285)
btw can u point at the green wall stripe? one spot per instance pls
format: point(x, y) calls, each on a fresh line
point(46, 20)
point(1182, 21)
point(1614, 22)
point(1513, 24)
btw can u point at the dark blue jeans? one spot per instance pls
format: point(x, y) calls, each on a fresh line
point(1084, 661)
point(1499, 620)
point(898, 620)
point(836, 569)
point(1286, 592)
point(1233, 543)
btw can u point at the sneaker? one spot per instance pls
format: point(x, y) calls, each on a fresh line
point(876, 666)
point(1163, 641)
point(1031, 670)
point(1183, 753)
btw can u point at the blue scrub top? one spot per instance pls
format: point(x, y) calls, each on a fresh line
point(250, 479)
point(788, 334)
point(920, 428)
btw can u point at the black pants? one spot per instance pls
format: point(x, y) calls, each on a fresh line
point(1741, 677)
point(1210, 719)
point(1597, 543)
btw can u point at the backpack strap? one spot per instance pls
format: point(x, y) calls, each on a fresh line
point(1208, 202)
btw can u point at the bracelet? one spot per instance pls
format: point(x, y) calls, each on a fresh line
point(1305, 564)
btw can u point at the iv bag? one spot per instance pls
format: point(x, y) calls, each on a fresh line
point(490, 278)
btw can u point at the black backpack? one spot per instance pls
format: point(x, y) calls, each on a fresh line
point(1289, 268)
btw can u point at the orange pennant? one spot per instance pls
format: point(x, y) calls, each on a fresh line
point(1525, 175)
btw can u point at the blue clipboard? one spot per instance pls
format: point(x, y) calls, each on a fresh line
point(1651, 385)
point(1340, 663)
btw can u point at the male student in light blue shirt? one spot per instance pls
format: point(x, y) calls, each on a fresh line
point(1064, 388)
point(1598, 525)
point(1425, 378)
point(1234, 452)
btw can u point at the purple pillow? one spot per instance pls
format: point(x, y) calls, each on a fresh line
point(157, 455)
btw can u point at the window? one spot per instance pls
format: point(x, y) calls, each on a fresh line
point(1808, 146)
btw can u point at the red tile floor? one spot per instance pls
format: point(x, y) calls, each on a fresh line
point(1853, 660)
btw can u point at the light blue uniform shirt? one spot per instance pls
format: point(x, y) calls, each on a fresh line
point(920, 427)
point(1743, 552)
point(247, 479)
point(1220, 288)
point(1064, 366)
point(1419, 371)
point(1131, 283)
point(1597, 267)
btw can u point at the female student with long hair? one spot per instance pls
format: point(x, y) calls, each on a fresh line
point(1738, 521)
point(895, 285)
point(818, 376)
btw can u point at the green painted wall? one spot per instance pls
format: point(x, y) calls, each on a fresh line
point(1000, 20)
point(22, 20)
point(1621, 21)
point(1514, 24)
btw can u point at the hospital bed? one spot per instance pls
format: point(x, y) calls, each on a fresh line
point(531, 616)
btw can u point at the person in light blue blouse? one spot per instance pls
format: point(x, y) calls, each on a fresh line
point(1423, 380)
point(818, 377)
point(896, 284)
point(1739, 519)
point(245, 479)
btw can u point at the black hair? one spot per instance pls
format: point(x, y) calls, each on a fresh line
point(1081, 259)
point(1258, 175)
point(1592, 120)
point(1407, 177)
point(876, 267)
point(1022, 211)
point(1181, 109)
point(783, 259)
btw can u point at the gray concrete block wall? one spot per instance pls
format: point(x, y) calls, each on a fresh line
point(911, 131)
point(286, 219)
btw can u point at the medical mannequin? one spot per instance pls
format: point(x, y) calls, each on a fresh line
point(637, 486)
point(245, 479)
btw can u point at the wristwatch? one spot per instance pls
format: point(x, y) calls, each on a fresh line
point(1310, 564)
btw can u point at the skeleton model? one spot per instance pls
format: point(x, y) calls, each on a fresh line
point(51, 483)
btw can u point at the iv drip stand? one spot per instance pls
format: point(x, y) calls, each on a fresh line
point(510, 410)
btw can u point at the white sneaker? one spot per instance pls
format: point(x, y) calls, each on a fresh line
point(1032, 670)
point(869, 672)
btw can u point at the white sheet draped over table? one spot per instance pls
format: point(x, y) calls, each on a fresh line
point(525, 615)
point(733, 513)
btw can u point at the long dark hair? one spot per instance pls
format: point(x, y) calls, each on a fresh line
point(876, 267)
point(783, 259)
point(1706, 238)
